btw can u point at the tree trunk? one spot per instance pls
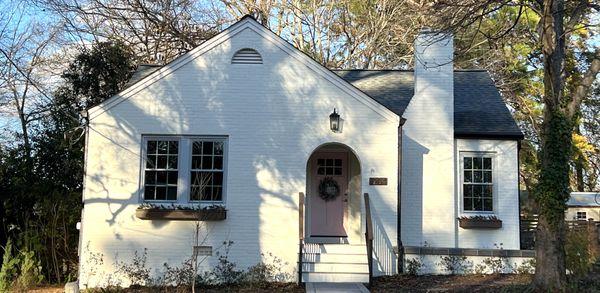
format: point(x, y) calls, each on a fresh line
point(552, 193)
point(552, 190)
point(550, 257)
point(579, 175)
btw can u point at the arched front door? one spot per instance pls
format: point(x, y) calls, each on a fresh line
point(327, 216)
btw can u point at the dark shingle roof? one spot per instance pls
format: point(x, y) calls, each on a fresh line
point(479, 110)
point(584, 199)
point(142, 71)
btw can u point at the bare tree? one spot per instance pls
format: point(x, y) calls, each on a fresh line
point(342, 34)
point(158, 30)
point(24, 60)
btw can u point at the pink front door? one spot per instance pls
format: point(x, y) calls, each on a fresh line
point(327, 217)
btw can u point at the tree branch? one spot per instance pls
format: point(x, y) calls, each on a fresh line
point(583, 88)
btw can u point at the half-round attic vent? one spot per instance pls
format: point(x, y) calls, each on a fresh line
point(246, 56)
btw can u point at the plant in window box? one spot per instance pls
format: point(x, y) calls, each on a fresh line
point(148, 211)
point(480, 222)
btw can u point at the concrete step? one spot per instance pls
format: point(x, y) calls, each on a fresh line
point(334, 258)
point(310, 277)
point(323, 267)
point(335, 248)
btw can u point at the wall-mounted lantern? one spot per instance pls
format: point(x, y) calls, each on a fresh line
point(334, 121)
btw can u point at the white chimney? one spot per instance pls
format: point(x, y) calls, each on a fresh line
point(428, 144)
point(434, 83)
point(434, 54)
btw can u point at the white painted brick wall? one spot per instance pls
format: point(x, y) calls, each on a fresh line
point(506, 195)
point(428, 147)
point(434, 265)
point(275, 115)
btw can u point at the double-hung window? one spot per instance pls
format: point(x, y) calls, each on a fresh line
point(477, 183)
point(184, 169)
point(581, 216)
point(161, 173)
point(206, 177)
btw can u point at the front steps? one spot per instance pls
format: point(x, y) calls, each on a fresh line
point(334, 263)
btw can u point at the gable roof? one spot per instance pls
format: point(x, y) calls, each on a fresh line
point(584, 199)
point(246, 22)
point(479, 111)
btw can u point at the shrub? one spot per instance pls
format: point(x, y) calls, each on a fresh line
point(30, 270)
point(414, 265)
point(93, 261)
point(578, 256)
point(526, 267)
point(225, 272)
point(496, 265)
point(263, 273)
point(455, 264)
point(480, 269)
point(136, 271)
point(179, 276)
point(19, 271)
point(10, 266)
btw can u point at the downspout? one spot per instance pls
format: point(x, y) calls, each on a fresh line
point(519, 188)
point(399, 204)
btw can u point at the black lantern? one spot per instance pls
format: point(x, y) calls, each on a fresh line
point(334, 121)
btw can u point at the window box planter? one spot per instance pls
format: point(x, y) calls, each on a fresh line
point(174, 214)
point(480, 222)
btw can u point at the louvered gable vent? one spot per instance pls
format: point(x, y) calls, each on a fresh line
point(246, 56)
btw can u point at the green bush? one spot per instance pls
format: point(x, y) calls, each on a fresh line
point(579, 260)
point(455, 264)
point(10, 266)
point(20, 271)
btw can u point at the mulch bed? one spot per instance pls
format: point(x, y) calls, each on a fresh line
point(467, 283)
point(398, 283)
point(267, 287)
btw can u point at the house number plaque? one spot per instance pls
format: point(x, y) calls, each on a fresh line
point(377, 181)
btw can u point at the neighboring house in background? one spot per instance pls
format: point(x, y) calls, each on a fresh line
point(247, 122)
point(583, 206)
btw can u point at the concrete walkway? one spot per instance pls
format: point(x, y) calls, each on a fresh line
point(336, 288)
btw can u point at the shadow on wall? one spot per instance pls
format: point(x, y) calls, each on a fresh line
point(263, 186)
point(412, 191)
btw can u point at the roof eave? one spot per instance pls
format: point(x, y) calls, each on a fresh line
point(489, 135)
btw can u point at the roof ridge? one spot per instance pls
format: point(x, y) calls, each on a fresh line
point(356, 69)
point(411, 70)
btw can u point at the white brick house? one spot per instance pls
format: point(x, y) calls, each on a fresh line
point(243, 122)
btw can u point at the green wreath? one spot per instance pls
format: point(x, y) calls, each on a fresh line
point(329, 189)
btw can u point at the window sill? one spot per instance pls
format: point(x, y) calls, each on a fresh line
point(181, 215)
point(466, 223)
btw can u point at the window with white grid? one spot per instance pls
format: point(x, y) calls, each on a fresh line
point(206, 172)
point(161, 169)
point(184, 169)
point(477, 183)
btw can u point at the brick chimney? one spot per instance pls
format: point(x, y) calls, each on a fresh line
point(428, 145)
